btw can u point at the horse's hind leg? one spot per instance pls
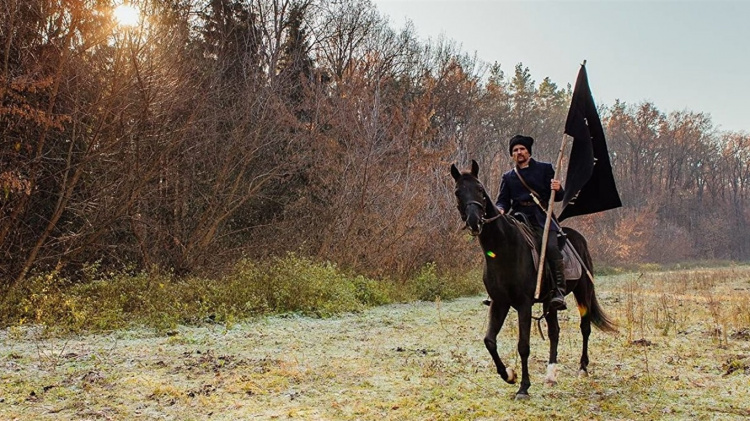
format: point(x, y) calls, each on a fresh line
point(553, 331)
point(583, 309)
point(585, 332)
point(498, 313)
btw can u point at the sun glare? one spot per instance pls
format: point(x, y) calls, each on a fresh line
point(126, 15)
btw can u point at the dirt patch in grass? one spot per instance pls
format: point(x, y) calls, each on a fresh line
point(682, 352)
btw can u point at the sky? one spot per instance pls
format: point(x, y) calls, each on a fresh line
point(677, 54)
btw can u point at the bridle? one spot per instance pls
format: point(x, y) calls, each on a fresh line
point(483, 220)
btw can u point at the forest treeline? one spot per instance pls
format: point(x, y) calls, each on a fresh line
point(216, 130)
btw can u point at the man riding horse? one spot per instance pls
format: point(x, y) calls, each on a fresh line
point(523, 189)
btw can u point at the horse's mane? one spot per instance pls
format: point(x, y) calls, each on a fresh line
point(526, 232)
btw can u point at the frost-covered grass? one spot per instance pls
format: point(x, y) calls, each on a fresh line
point(683, 352)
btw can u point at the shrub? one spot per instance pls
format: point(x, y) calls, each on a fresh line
point(300, 285)
point(288, 284)
point(428, 284)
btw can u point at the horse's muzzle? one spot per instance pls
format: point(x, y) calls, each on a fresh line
point(473, 221)
point(474, 228)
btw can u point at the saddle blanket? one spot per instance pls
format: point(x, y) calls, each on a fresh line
point(573, 269)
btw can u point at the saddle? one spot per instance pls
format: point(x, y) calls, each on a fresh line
point(573, 268)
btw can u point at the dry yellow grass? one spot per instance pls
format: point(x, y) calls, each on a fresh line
point(683, 352)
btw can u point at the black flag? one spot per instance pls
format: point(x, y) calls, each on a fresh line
point(589, 185)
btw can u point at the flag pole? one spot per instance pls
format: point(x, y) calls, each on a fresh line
point(547, 222)
point(567, 241)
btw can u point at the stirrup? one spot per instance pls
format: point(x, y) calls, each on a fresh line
point(558, 303)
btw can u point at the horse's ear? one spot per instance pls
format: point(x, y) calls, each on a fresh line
point(474, 168)
point(455, 172)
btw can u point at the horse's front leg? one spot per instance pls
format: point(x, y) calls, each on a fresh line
point(524, 349)
point(498, 313)
point(553, 331)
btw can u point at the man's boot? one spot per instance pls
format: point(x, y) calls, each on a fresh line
point(558, 290)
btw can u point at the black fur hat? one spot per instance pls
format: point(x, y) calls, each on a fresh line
point(520, 140)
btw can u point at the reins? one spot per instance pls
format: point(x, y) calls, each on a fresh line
point(539, 322)
point(483, 208)
point(494, 218)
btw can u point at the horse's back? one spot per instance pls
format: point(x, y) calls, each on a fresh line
point(574, 236)
point(579, 243)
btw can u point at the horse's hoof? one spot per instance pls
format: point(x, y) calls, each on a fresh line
point(551, 377)
point(511, 376)
point(583, 373)
point(522, 396)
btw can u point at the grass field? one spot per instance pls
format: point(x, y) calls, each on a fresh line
point(682, 352)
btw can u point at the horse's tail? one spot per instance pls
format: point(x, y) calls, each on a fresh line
point(597, 315)
point(586, 297)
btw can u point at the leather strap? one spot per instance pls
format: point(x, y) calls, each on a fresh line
point(533, 192)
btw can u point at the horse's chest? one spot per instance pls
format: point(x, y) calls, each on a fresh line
point(507, 285)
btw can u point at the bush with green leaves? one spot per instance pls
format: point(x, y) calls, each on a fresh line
point(288, 284)
point(429, 284)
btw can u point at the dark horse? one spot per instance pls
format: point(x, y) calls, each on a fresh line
point(510, 280)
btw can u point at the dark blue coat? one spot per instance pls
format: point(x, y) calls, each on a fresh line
point(513, 194)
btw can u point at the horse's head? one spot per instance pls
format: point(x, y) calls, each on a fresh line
point(471, 197)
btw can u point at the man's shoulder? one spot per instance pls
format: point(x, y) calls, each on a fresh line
point(540, 164)
point(509, 174)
